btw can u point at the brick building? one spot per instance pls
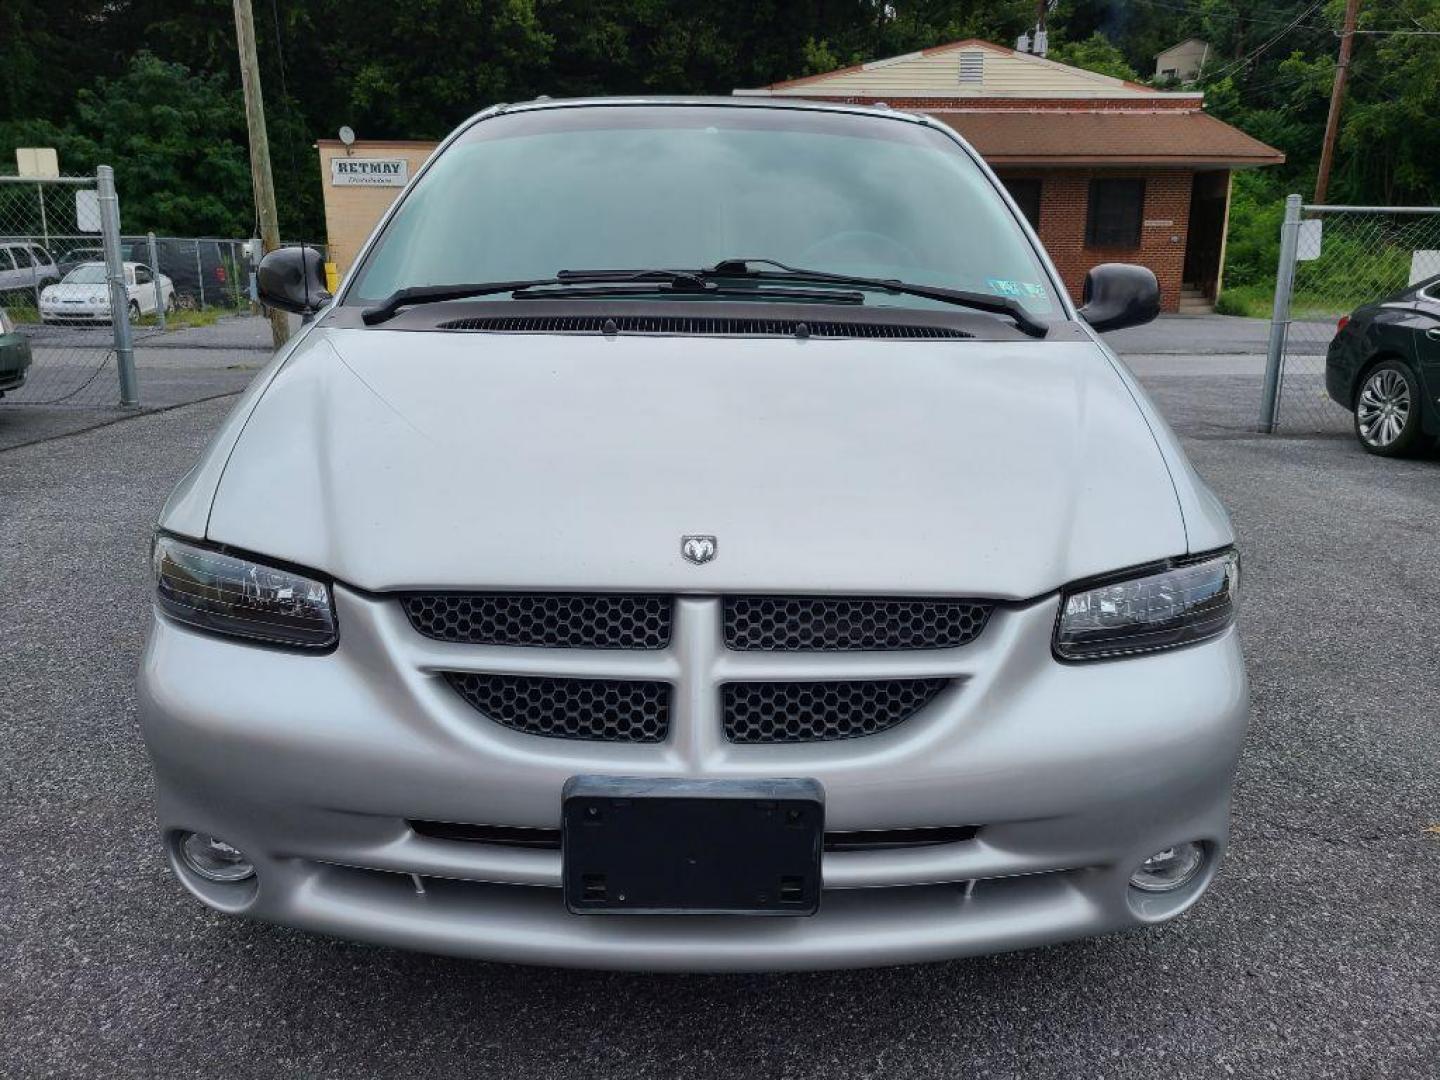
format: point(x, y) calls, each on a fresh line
point(1106, 170)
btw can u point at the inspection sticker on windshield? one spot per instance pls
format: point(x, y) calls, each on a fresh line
point(1020, 290)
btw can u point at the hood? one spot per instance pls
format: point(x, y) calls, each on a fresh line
point(396, 460)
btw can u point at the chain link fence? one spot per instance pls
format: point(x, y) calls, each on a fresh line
point(54, 352)
point(73, 323)
point(1334, 259)
point(196, 274)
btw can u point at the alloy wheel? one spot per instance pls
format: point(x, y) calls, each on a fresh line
point(1383, 410)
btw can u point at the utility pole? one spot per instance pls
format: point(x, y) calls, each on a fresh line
point(260, 177)
point(1337, 101)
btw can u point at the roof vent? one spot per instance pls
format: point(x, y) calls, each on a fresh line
point(972, 66)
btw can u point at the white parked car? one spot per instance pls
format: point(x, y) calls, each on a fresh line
point(82, 295)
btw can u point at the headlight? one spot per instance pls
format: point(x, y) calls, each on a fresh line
point(1190, 601)
point(236, 596)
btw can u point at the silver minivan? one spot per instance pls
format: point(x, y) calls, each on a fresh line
point(27, 267)
point(700, 534)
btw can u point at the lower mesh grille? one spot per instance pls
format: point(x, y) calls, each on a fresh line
point(601, 710)
point(791, 712)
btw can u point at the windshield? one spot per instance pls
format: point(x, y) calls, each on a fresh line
point(524, 195)
point(88, 274)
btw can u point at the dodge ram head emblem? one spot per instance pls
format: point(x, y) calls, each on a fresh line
point(697, 549)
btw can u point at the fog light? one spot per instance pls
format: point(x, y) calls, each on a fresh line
point(213, 859)
point(1169, 869)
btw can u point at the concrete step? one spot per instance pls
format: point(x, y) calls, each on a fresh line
point(1194, 302)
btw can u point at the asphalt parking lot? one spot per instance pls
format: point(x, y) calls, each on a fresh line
point(1314, 954)
point(73, 383)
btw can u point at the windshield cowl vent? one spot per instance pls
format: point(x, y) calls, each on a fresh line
point(698, 326)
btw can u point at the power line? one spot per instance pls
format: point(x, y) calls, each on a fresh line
point(1262, 48)
point(279, 47)
point(1330, 28)
point(1191, 10)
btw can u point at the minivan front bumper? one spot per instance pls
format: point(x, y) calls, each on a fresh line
point(314, 765)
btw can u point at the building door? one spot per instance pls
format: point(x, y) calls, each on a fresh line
point(1206, 235)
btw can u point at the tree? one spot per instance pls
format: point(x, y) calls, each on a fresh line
point(1095, 53)
point(1390, 130)
point(176, 142)
point(415, 68)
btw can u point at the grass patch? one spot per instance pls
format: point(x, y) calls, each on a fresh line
point(183, 319)
point(1250, 301)
point(1307, 305)
point(187, 318)
point(22, 316)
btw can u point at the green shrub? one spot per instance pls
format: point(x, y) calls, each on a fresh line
point(1252, 249)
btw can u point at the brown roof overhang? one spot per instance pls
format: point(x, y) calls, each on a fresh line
point(1109, 139)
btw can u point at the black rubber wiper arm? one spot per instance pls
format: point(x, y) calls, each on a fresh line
point(622, 288)
point(997, 305)
point(680, 280)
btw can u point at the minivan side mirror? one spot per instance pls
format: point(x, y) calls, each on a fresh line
point(292, 279)
point(1119, 295)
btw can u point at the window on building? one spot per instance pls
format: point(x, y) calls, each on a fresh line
point(1113, 218)
point(1026, 193)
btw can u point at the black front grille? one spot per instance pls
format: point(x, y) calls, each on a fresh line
point(548, 620)
point(791, 712)
point(844, 624)
point(601, 710)
point(853, 840)
point(698, 326)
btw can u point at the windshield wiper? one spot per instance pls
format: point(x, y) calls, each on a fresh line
point(997, 305)
point(678, 280)
point(623, 288)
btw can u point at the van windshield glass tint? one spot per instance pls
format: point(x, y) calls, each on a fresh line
point(528, 194)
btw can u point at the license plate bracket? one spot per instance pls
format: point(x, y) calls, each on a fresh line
point(642, 846)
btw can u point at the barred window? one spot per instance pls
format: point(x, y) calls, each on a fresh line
point(1115, 211)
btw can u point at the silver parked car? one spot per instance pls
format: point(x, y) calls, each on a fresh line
point(687, 512)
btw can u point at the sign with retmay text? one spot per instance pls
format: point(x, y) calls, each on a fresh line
point(368, 172)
